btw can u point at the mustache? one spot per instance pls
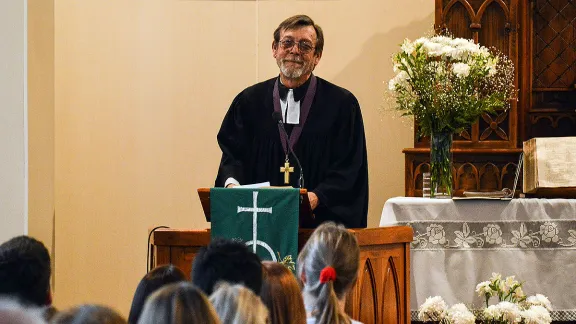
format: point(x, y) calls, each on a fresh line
point(295, 59)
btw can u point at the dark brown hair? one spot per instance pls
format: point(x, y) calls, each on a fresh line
point(152, 281)
point(296, 22)
point(281, 294)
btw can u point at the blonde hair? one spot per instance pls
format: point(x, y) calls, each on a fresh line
point(236, 304)
point(330, 246)
point(281, 294)
point(178, 303)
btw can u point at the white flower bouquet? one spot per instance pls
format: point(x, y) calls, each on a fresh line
point(446, 83)
point(513, 306)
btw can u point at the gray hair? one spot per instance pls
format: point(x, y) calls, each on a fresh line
point(333, 246)
point(89, 314)
point(236, 304)
point(11, 312)
point(178, 303)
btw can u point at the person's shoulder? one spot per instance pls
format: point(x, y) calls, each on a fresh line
point(259, 88)
point(333, 89)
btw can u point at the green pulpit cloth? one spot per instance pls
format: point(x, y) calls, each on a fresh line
point(265, 219)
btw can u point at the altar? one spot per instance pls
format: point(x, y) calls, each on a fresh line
point(459, 243)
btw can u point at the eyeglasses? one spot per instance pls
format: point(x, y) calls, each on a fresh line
point(303, 46)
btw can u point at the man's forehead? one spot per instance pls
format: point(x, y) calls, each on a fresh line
point(303, 32)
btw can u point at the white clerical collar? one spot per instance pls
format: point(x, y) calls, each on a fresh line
point(290, 109)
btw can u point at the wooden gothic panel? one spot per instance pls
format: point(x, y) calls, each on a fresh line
point(369, 295)
point(391, 295)
point(492, 23)
point(551, 109)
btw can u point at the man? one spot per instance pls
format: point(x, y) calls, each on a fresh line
point(229, 261)
point(324, 125)
point(25, 271)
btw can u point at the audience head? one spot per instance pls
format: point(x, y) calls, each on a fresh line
point(11, 312)
point(226, 260)
point(178, 303)
point(236, 304)
point(328, 266)
point(88, 314)
point(25, 271)
point(152, 281)
point(281, 295)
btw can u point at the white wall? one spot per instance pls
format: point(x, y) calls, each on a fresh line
point(13, 128)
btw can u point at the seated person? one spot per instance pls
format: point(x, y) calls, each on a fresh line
point(89, 314)
point(152, 281)
point(25, 271)
point(328, 267)
point(11, 312)
point(178, 303)
point(281, 294)
point(226, 260)
point(237, 304)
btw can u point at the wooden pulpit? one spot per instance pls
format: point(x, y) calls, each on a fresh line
point(381, 294)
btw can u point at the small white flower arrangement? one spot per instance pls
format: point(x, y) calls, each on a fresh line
point(513, 306)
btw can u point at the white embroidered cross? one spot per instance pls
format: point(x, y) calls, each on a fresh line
point(255, 210)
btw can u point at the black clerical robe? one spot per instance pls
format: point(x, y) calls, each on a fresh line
point(331, 149)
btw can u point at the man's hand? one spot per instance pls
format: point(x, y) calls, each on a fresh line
point(313, 200)
point(231, 185)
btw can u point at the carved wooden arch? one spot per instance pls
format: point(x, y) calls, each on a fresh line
point(466, 5)
point(488, 3)
point(497, 171)
point(570, 118)
point(391, 280)
point(536, 119)
point(461, 171)
point(505, 171)
point(418, 171)
point(475, 18)
point(370, 297)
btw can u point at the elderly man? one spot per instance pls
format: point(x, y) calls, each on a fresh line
point(324, 128)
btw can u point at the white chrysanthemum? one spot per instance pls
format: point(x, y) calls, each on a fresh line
point(509, 312)
point(491, 312)
point(433, 309)
point(407, 46)
point(459, 314)
point(400, 79)
point(442, 40)
point(536, 315)
point(539, 300)
point(433, 49)
point(461, 70)
point(484, 289)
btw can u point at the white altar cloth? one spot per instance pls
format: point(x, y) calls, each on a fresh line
point(459, 243)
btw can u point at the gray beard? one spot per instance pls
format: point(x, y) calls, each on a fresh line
point(291, 74)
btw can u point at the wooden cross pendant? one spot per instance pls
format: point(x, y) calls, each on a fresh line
point(286, 169)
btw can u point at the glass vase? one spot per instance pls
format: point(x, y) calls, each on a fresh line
point(441, 165)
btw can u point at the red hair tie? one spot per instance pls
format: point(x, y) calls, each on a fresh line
point(327, 274)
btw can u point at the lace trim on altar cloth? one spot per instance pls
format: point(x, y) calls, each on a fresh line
point(561, 315)
point(549, 234)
